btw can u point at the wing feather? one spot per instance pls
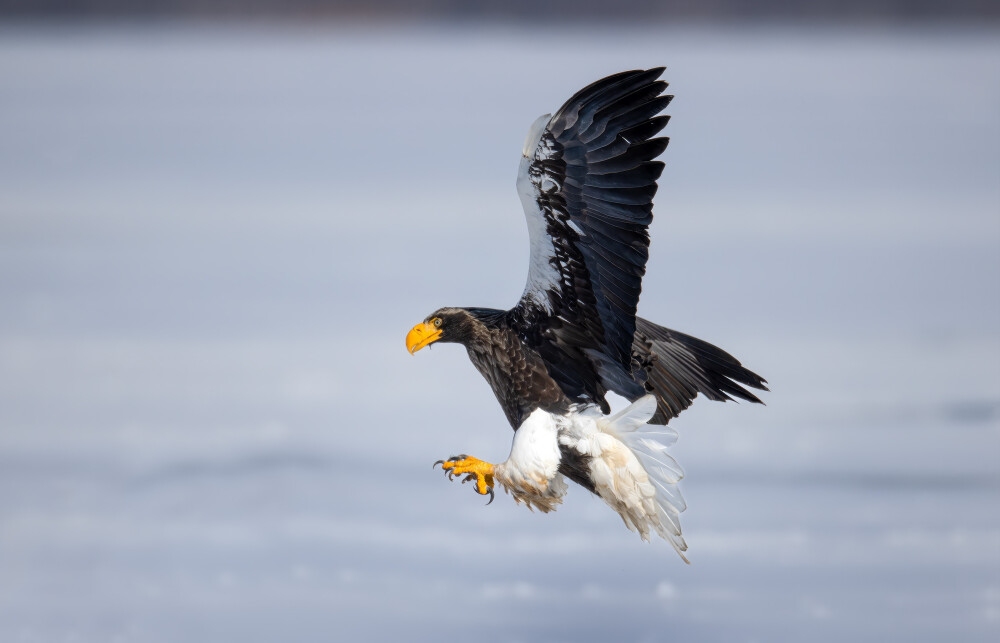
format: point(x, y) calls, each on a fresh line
point(587, 183)
point(678, 367)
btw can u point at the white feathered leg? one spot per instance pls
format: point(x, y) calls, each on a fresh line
point(628, 466)
point(531, 472)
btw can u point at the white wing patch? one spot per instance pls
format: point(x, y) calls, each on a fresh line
point(535, 135)
point(542, 275)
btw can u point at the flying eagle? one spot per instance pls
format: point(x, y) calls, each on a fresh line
point(586, 181)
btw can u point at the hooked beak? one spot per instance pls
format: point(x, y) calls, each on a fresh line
point(421, 335)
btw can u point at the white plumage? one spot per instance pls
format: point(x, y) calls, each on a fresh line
point(628, 464)
point(586, 181)
point(541, 271)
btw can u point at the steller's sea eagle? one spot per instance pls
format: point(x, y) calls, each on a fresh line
point(586, 181)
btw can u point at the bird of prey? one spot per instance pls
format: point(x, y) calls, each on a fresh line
point(586, 181)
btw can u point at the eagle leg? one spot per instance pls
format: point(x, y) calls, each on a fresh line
point(473, 469)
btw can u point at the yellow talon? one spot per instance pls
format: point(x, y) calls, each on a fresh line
point(472, 469)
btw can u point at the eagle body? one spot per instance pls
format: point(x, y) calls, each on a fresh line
point(516, 372)
point(586, 181)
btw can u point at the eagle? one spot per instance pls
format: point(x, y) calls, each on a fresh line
point(586, 180)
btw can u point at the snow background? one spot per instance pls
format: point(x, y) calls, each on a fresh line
point(214, 239)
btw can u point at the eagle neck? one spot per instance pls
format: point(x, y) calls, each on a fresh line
point(515, 372)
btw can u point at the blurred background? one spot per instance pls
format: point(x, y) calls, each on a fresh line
point(218, 220)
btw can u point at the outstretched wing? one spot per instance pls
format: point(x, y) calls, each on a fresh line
point(677, 367)
point(586, 181)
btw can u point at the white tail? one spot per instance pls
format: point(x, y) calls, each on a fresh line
point(640, 480)
point(626, 459)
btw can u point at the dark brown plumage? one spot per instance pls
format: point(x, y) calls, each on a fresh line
point(586, 182)
point(674, 367)
point(515, 372)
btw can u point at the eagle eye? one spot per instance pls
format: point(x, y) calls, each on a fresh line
point(437, 322)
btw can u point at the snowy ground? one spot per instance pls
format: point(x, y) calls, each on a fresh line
point(213, 240)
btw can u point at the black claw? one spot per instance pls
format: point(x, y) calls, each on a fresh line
point(489, 490)
point(450, 459)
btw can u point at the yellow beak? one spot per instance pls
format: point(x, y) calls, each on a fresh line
point(421, 335)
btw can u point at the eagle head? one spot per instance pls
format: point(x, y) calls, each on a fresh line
point(455, 325)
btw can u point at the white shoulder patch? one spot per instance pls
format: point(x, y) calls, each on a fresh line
point(535, 135)
point(530, 185)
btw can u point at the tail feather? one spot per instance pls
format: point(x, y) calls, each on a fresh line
point(643, 487)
